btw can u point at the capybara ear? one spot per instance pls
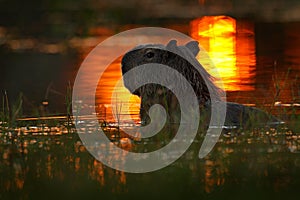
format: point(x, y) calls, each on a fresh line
point(172, 45)
point(193, 46)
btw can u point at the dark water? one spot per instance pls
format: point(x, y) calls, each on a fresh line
point(260, 165)
point(254, 164)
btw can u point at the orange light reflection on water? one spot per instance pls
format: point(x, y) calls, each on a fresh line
point(230, 45)
point(109, 90)
point(231, 53)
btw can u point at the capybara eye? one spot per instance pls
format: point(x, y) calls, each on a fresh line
point(150, 54)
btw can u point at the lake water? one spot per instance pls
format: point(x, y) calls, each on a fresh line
point(260, 165)
point(259, 64)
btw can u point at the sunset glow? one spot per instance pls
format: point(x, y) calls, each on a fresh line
point(218, 36)
point(230, 47)
point(111, 89)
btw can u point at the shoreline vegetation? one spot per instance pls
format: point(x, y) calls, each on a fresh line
point(12, 120)
point(46, 150)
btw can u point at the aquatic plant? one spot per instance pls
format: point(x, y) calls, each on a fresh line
point(117, 112)
point(68, 102)
point(10, 113)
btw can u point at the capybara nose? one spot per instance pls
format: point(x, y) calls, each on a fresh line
point(125, 62)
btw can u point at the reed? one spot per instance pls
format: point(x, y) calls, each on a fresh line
point(68, 102)
point(16, 110)
point(118, 111)
point(10, 113)
point(5, 112)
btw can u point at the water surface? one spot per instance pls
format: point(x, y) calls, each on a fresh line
point(259, 64)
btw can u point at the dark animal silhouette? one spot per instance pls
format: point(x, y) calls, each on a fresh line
point(182, 59)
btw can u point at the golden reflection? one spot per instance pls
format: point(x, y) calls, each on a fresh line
point(214, 175)
point(97, 172)
point(49, 166)
point(230, 45)
point(231, 52)
point(110, 90)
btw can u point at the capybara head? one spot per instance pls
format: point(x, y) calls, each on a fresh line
point(181, 58)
